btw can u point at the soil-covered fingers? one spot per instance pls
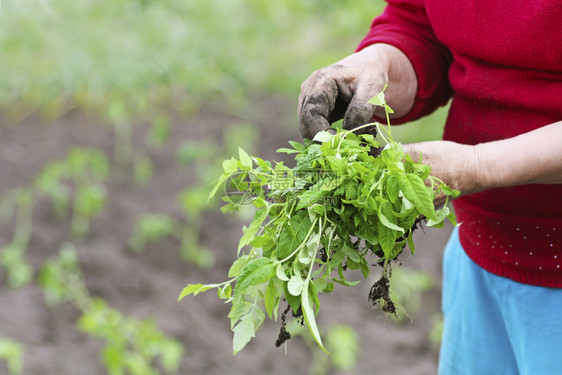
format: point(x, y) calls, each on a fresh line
point(323, 99)
point(359, 111)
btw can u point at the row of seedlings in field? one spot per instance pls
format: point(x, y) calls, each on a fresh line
point(206, 157)
point(75, 185)
point(131, 345)
point(76, 188)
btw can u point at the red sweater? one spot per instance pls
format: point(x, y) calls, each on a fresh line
point(502, 63)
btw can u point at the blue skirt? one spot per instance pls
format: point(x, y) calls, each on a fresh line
point(494, 325)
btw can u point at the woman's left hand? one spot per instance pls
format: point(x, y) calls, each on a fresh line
point(530, 158)
point(455, 164)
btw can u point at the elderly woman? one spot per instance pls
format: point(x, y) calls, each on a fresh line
point(501, 62)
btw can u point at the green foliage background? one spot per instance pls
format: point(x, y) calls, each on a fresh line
point(118, 58)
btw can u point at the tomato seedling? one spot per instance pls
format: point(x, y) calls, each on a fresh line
point(348, 203)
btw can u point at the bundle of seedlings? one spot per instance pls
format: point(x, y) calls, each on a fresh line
point(349, 203)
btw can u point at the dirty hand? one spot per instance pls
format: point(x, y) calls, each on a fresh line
point(343, 89)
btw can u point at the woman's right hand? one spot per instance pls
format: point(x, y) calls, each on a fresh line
point(342, 90)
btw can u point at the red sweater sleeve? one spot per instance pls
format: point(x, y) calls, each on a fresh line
point(404, 24)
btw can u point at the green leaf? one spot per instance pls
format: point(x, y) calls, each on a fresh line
point(237, 266)
point(338, 165)
point(256, 272)
point(261, 242)
point(416, 192)
point(386, 222)
point(258, 317)
point(452, 218)
point(351, 253)
point(270, 298)
point(450, 191)
point(392, 188)
point(379, 99)
point(369, 138)
point(386, 237)
point(287, 150)
point(296, 285)
point(365, 270)
point(318, 209)
point(294, 302)
point(252, 230)
point(411, 245)
point(194, 289)
point(230, 166)
point(346, 283)
point(225, 292)
point(440, 215)
point(322, 136)
point(298, 146)
point(293, 235)
point(310, 197)
point(313, 294)
point(320, 283)
point(245, 159)
point(309, 318)
point(239, 309)
point(243, 333)
point(304, 258)
point(218, 184)
point(280, 272)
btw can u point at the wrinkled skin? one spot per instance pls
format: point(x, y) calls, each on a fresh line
point(342, 90)
point(456, 164)
point(529, 158)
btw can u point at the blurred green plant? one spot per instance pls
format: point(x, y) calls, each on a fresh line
point(18, 203)
point(341, 340)
point(344, 339)
point(159, 132)
point(121, 58)
point(86, 170)
point(436, 333)
point(406, 288)
point(208, 163)
point(150, 228)
point(131, 345)
point(205, 157)
point(143, 169)
point(12, 352)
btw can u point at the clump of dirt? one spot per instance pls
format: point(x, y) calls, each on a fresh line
point(379, 294)
point(323, 255)
point(283, 334)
